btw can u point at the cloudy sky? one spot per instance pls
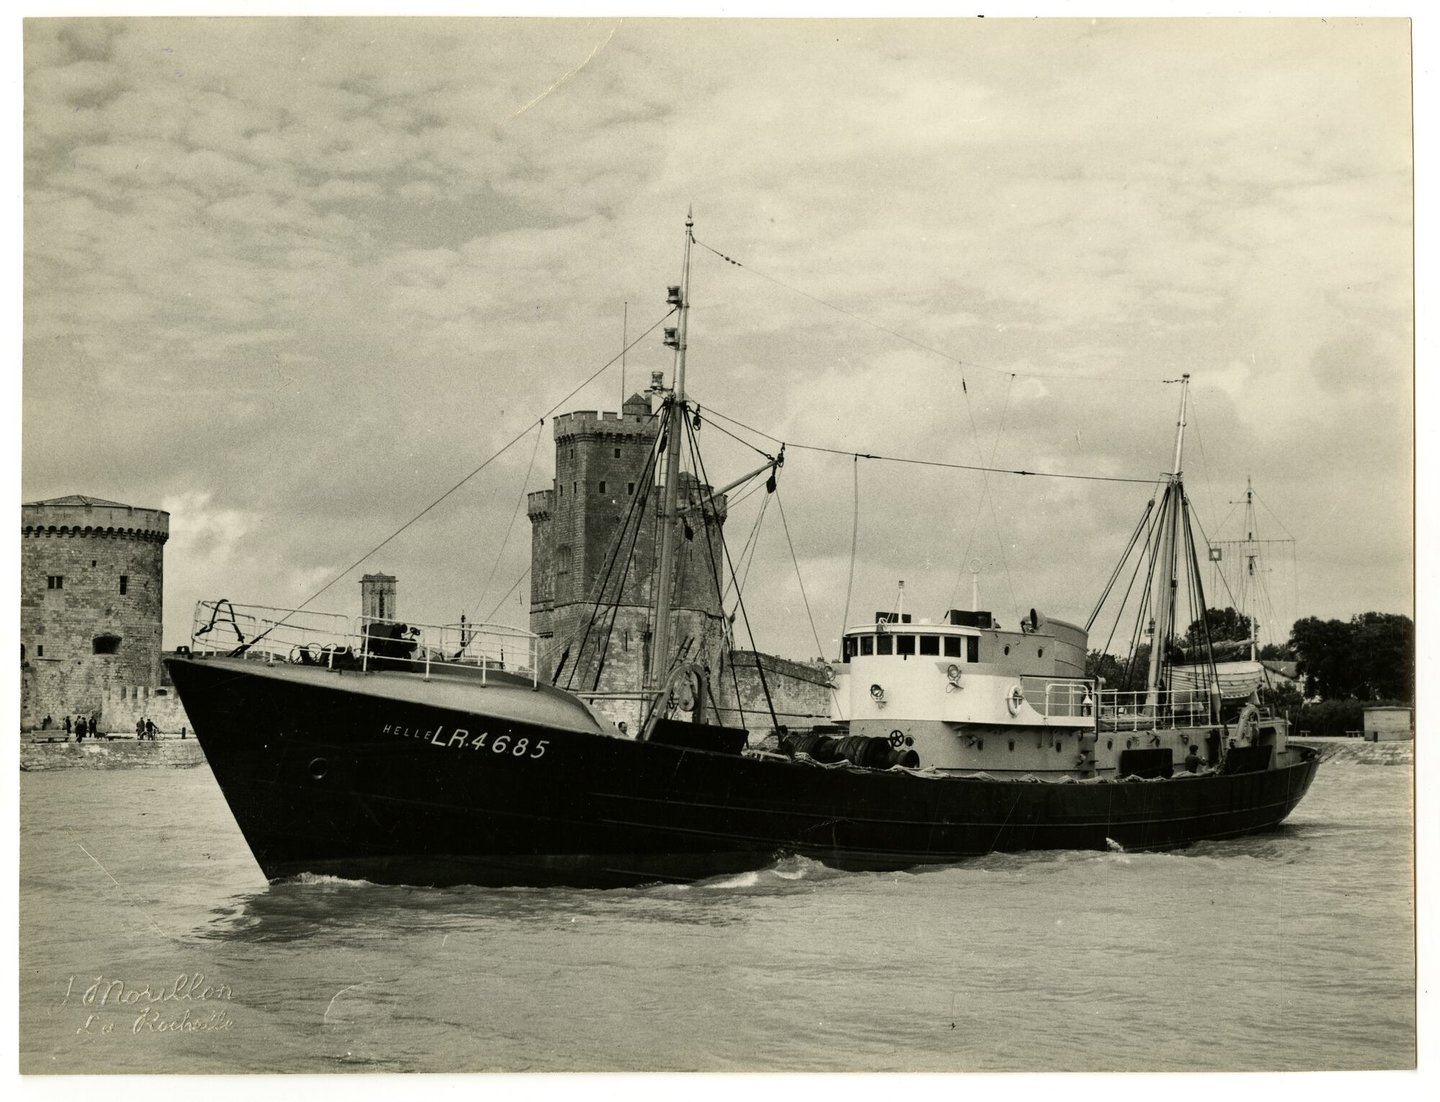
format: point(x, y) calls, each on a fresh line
point(293, 279)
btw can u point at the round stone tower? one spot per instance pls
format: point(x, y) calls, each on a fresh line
point(91, 603)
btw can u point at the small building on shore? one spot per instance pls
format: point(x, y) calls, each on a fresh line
point(1389, 724)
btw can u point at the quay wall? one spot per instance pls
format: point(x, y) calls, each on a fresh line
point(173, 753)
point(800, 692)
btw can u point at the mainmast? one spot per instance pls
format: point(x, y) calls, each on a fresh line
point(1167, 575)
point(671, 431)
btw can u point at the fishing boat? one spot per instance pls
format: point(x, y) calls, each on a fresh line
point(445, 754)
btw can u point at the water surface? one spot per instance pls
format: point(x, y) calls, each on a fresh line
point(1289, 951)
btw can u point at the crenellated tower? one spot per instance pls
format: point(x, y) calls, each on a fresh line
point(603, 462)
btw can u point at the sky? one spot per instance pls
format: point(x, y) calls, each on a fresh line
point(292, 280)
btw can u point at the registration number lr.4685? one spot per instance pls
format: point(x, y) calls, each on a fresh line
point(458, 738)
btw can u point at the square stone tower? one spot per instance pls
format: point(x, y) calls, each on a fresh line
point(602, 462)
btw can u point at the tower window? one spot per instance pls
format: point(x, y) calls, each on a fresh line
point(55, 581)
point(106, 644)
point(602, 487)
point(630, 488)
point(617, 453)
point(575, 488)
point(124, 583)
point(40, 650)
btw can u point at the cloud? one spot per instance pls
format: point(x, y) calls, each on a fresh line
point(302, 276)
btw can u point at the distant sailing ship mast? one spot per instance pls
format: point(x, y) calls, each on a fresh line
point(1248, 592)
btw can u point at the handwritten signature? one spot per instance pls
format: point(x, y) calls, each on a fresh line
point(187, 987)
point(174, 1008)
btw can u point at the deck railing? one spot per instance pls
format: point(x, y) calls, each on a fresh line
point(264, 633)
point(1059, 697)
point(1143, 710)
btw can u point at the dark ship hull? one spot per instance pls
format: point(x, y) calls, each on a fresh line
point(395, 778)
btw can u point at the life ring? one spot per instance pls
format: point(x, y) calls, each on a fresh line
point(1248, 725)
point(1014, 699)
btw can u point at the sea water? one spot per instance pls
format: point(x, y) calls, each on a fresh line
point(150, 942)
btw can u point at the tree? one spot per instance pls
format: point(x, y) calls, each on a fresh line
point(1370, 657)
point(1123, 675)
point(1385, 652)
point(1323, 653)
point(1226, 625)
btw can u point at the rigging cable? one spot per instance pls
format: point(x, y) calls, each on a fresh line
point(1135, 541)
point(510, 527)
point(512, 442)
point(819, 648)
point(854, 537)
point(1119, 566)
point(710, 511)
point(901, 336)
point(739, 597)
point(984, 497)
point(929, 462)
point(523, 574)
point(634, 511)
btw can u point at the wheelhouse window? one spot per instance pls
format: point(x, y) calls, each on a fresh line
point(885, 644)
point(867, 644)
point(972, 648)
point(930, 644)
point(905, 644)
point(953, 645)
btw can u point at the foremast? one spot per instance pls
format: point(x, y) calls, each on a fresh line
point(671, 432)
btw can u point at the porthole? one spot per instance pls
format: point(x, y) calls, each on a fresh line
point(318, 768)
point(1040, 653)
point(1007, 648)
point(1012, 744)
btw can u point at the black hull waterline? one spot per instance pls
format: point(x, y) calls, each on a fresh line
point(331, 774)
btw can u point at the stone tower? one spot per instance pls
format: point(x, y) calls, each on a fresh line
point(91, 602)
point(377, 598)
point(601, 460)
